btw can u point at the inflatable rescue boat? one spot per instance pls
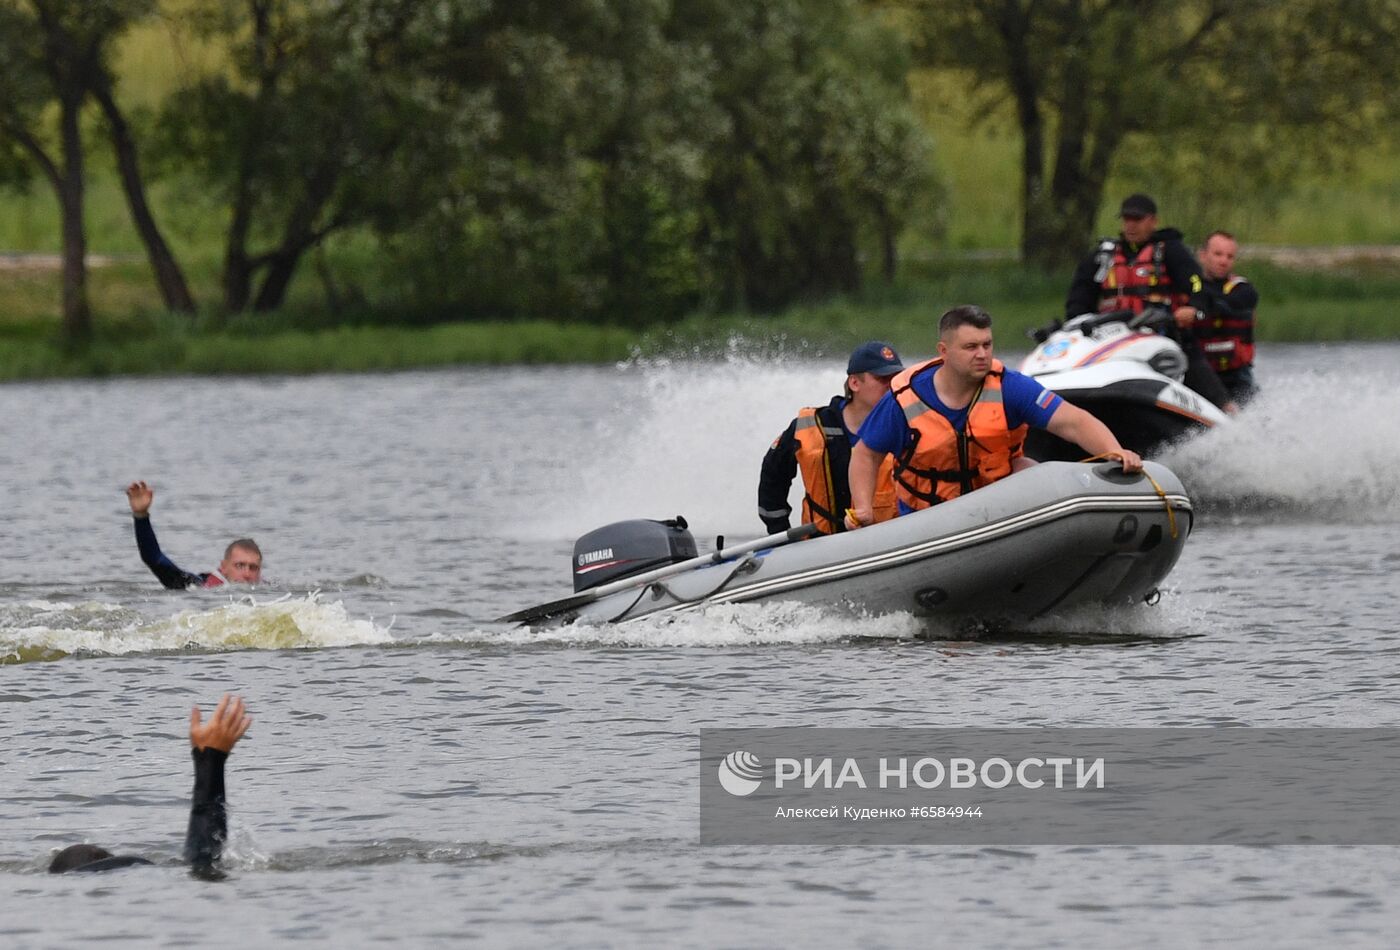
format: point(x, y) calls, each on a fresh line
point(1055, 536)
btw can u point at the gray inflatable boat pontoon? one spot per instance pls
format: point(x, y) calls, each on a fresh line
point(1055, 536)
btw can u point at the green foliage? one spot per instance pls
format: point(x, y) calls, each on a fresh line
point(1356, 303)
point(179, 349)
point(646, 158)
point(1207, 100)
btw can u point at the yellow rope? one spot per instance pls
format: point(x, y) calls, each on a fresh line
point(1161, 493)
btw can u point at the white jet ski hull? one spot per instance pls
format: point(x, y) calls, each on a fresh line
point(1145, 410)
point(1128, 377)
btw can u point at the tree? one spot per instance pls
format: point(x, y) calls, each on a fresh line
point(1086, 77)
point(52, 51)
point(821, 147)
point(333, 119)
point(41, 64)
point(169, 277)
point(644, 157)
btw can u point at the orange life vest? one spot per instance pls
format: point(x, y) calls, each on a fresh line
point(941, 463)
point(827, 492)
point(1228, 342)
point(1134, 282)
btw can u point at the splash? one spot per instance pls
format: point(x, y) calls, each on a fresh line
point(718, 625)
point(1307, 447)
point(796, 624)
point(41, 630)
point(689, 441)
point(1174, 616)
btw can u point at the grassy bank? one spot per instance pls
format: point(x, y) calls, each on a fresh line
point(1357, 303)
point(27, 354)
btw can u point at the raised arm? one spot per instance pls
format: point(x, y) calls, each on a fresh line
point(211, 742)
point(139, 496)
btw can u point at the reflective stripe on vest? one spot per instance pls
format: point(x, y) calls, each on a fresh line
point(1228, 342)
point(941, 463)
point(820, 506)
point(1135, 282)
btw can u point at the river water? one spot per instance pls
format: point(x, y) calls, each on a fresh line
point(418, 771)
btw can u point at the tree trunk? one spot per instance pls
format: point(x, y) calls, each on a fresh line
point(169, 278)
point(77, 314)
point(281, 268)
point(1010, 22)
point(238, 266)
point(889, 243)
point(298, 236)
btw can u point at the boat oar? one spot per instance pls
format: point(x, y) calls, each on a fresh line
point(554, 608)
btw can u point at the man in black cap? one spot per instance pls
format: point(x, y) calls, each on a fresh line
point(819, 442)
point(1147, 265)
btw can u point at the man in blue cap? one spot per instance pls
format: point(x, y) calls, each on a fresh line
point(819, 443)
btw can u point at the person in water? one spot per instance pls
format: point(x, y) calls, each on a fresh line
point(210, 744)
point(242, 563)
point(958, 422)
point(818, 442)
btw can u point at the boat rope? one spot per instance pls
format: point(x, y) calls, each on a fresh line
point(1161, 492)
point(746, 565)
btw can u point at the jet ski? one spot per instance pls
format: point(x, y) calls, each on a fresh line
point(1048, 538)
point(1123, 369)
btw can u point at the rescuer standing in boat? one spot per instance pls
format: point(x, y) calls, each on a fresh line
point(818, 442)
point(958, 422)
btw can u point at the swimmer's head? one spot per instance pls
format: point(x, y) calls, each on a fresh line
point(242, 563)
point(89, 857)
point(76, 856)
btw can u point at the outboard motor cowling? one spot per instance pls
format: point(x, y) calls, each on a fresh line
point(625, 548)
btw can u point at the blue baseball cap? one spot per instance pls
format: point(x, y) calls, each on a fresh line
point(875, 357)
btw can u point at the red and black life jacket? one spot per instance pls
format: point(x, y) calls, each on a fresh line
point(1227, 341)
point(1134, 282)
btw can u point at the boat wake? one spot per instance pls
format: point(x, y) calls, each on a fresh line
point(787, 623)
point(46, 630)
point(1302, 449)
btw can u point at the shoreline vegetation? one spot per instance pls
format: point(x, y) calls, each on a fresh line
point(1354, 298)
point(199, 188)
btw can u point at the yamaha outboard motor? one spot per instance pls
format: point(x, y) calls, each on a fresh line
point(629, 547)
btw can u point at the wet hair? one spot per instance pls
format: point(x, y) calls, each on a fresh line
point(247, 544)
point(1218, 234)
point(76, 856)
point(968, 315)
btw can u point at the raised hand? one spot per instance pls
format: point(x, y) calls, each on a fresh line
point(140, 495)
point(224, 728)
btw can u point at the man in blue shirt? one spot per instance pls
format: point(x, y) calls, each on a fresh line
point(957, 423)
